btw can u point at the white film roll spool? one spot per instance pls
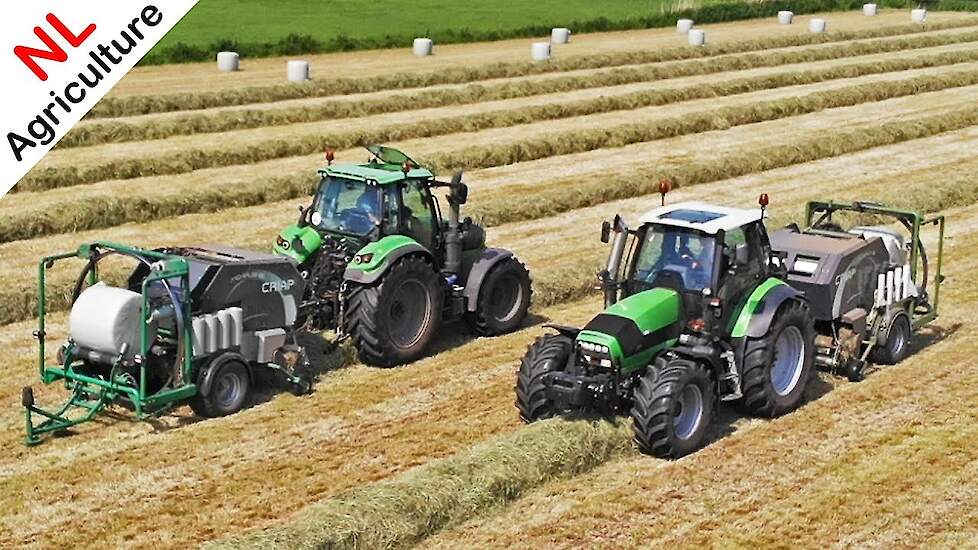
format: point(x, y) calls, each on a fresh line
point(889, 287)
point(697, 37)
point(540, 51)
point(785, 17)
point(237, 328)
point(881, 289)
point(918, 15)
point(898, 292)
point(227, 62)
point(423, 47)
point(560, 36)
point(297, 71)
point(684, 25)
point(816, 25)
point(870, 10)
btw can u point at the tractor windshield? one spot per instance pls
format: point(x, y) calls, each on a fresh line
point(674, 257)
point(347, 206)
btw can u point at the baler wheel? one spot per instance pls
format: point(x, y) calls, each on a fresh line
point(230, 390)
point(897, 344)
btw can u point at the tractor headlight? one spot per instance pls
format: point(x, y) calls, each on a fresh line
point(282, 243)
point(595, 355)
point(363, 258)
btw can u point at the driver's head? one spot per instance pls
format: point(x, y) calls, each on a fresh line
point(369, 201)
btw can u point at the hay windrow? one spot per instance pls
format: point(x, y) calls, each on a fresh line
point(406, 509)
point(18, 302)
point(139, 105)
point(189, 160)
point(111, 131)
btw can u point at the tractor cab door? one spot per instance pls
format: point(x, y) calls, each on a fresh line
point(419, 217)
point(743, 266)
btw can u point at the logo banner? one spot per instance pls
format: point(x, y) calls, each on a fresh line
point(59, 58)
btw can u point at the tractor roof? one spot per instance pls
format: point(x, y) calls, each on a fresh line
point(375, 172)
point(701, 216)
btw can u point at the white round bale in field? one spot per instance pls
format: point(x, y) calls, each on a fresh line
point(683, 25)
point(697, 37)
point(423, 47)
point(918, 15)
point(816, 25)
point(785, 17)
point(869, 9)
point(540, 51)
point(227, 62)
point(297, 71)
point(560, 36)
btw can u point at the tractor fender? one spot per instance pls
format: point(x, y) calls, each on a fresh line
point(382, 254)
point(758, 313)
point(206, 377)
point(480, 268)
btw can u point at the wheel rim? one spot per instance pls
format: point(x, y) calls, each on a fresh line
point(409, 313)
point(505, 298)
point(228, 390)
point(789, 360)
point(898, 338)
point(689, 411)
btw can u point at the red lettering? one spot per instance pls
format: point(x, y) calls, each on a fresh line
point(54, 52)
point(75, 41)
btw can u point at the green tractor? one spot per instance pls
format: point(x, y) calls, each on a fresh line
point(384, 268)
point(703, 306)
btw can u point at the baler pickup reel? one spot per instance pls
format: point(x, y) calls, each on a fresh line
point(191, 325)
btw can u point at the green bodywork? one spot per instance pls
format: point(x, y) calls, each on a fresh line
point(375, 173)
point(650, 310)
point(751, 306)
point(298, 243)
point(377, 252)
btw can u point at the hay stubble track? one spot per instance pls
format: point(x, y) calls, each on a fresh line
point(890, 124)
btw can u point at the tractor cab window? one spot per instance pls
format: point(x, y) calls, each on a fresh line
point(675, 258)
point(347, 206)
point(419, 219)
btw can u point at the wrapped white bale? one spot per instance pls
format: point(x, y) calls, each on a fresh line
point(918, 15)
point(697, 37)
point(106, 319)
point(423, 47)
point(227, 62)
point(683, 25)
point(560, 36)
point(297, 71)
point(785, 17)
point(540, 51)
point(869, 9)
point(816, 25)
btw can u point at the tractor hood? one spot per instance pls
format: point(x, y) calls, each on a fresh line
point(633, 330)
point(298, 242)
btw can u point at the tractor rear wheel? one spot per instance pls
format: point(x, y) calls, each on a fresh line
point(897, 344)
point(229, 391)
point(392, 322)
point(672, 409)
point(503, 299)
point(549, 353)
point(778, 366)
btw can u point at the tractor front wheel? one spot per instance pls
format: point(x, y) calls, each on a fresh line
point(503, 299)
point(549, 353)
point(672, 409)
point(229, 391)
point(778, 366)
point(393, 321)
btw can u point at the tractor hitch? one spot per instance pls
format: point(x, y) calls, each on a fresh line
point(82, 398)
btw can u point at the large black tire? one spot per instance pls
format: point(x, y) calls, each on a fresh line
point(392, 321)
point(778, 366)
point(549, 353)
point(504, 298)
point(229, 392)
point(897, 344)
point(672, 411)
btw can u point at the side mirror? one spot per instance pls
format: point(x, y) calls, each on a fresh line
point(303, 215)
point(462, 193)
point(606, 231)
point(741, 254)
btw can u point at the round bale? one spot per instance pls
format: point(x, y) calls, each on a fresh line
point(816, 25)
point(683, 25)
point(697, 37)
point(560, 36)
point(297, 71)
point(227, 62)
point(540, 51)
point(869, 9)
point(423, 47)
point(918, 15)
point(785, 17)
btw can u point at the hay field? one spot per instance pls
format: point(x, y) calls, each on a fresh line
point(433, 453)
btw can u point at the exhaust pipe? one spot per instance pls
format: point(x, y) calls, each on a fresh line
point(610, 276)
point(457, 196)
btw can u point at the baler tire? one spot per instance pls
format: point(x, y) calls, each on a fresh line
point(487, 322)
point(760, 397)
point(369, 309)
point(659, 402)
point(216, 403)
point(548, 353)
point(897, 344)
